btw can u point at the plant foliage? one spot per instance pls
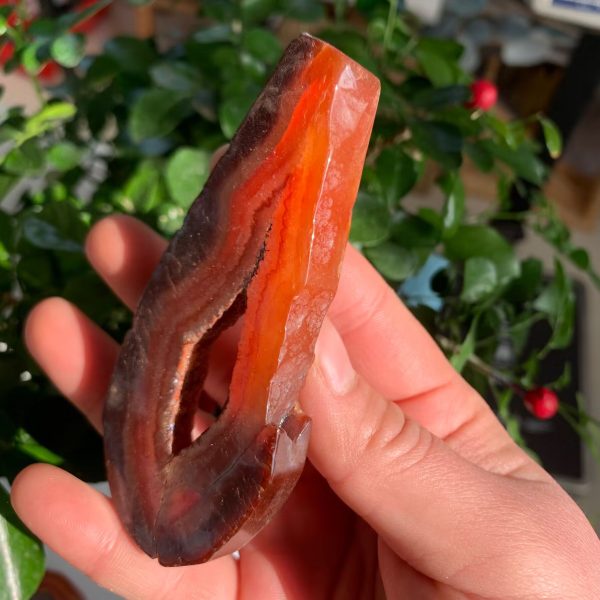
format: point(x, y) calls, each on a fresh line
point(132, 130)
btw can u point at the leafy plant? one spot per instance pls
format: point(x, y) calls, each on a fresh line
point(132, 130)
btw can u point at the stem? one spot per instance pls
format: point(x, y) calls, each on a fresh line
point(479, 365)
point(391, 23)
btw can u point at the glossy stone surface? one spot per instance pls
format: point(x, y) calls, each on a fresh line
point(265, 239)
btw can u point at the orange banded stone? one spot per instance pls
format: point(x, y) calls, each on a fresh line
point(265, 239)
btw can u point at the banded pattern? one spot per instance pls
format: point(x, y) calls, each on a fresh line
point(265, 239)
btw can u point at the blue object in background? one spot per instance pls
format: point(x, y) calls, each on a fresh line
point(417, 290)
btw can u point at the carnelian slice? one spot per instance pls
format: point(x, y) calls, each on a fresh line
point(265, 239)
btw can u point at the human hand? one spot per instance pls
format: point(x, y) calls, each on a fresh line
point(418, 491)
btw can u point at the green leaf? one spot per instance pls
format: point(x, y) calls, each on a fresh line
point(454, 207)
point(26, 159)
point(232, 112)
point(68, 50)
point(553, 137)
point(45, 235)
point(527, 286)
point(221, 10)
point(47, 118)
point(132, 55)
point(480, 279)
point(440, 141)
point(101, 72)
point(370, 220)
point(215, 34)
point(65, 156)
point(485, 242)
point(144, 190)
point(303, 10)
point(263, 45)
point(156, 113)
point(177, 76)
point(580, 258)
point(30, 60)
point(396, 174)
point(467, 348)
point(29, 446)
point(253, 11)
point(441, 97)
point(353, 44)
point(522, 160)
point(438, 59)
point(186, 174)
point(6, 183)
point(393, 261)
point(480, 155)
point(557, 301)
point(414, 232)
point(21, 554)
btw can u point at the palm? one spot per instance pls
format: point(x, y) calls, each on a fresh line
point(314, 546)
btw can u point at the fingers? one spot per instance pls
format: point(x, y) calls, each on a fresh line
point(394, 353)
point(80, 524)
point(125, 252)
point(429, 504)
point(74, 352)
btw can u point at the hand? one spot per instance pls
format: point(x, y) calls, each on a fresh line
point(414, 489)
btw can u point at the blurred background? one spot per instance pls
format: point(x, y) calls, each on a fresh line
point(541, 56)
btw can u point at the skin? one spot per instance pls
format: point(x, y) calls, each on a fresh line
point(414, 489)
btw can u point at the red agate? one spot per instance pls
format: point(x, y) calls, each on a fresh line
point(265, 240)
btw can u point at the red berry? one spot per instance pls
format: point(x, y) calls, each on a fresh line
point(484, 95)
point(542, 403)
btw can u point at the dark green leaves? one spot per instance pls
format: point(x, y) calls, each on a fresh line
point(64, 156)
point(156, 113)
point(438, 59)
point(441, 141)
point(370, 220)
point(177, 76)
point(480, 279)
point(393, 261)
point(144, 190)
point(454, 207)
point(396, 174)
point(21, 555)
point(522, 160)
point(557, 301)
point(132, 55)
point(304, 10)
point(45, 235)
point(263, 45)
point(484, 242)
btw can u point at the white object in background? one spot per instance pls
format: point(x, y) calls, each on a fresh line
point(429, 11)
point(582, 12)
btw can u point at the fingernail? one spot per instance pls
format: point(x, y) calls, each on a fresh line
point(333, 361)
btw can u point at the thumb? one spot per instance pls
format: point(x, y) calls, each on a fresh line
point(436, 510)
